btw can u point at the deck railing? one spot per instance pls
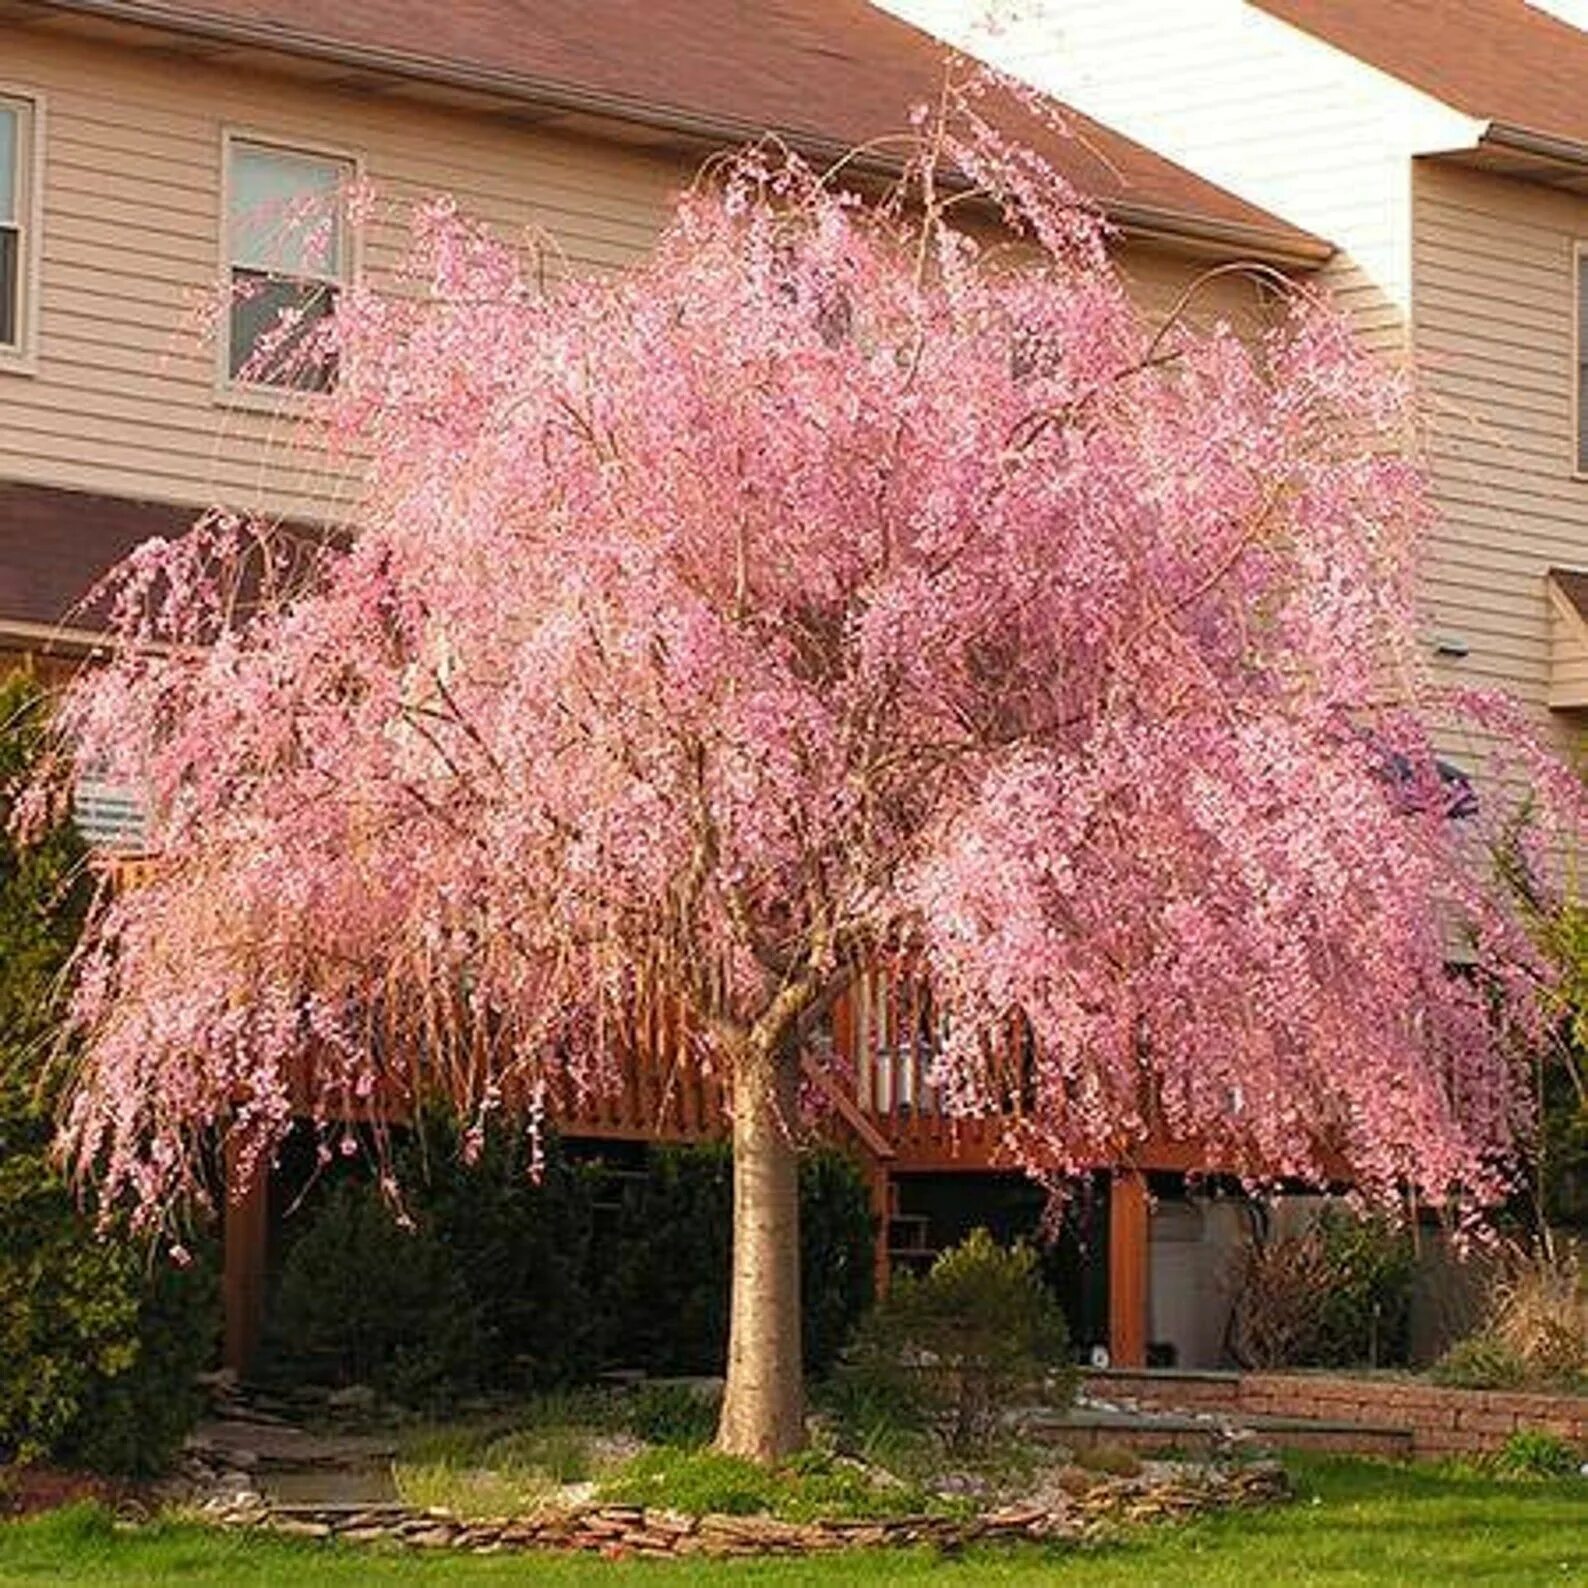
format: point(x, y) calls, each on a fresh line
point(874, 1070)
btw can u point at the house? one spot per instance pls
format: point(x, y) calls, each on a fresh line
point(1442, 145)
point(137, 135)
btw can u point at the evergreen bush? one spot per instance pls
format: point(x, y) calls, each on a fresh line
point(100, 1338)
point(509, 1283)
point(973, 1340)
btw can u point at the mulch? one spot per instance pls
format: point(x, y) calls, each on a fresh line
point(26, 1491)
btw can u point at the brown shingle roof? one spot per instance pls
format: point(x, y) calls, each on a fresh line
point(1501, 60)
point(56, 545)
point(838, 73)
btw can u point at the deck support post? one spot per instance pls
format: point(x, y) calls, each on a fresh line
point(881, 1212)
point(244, 1230)
point(1128, 1257)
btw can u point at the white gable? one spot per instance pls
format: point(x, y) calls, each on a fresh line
point(1247, 101)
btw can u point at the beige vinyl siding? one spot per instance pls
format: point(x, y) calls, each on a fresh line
point(124, 400)
point(1493, 296)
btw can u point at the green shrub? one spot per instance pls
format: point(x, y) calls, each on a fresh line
point(1336, 1295)
point(504, 1285)
point(979, 1335)
point(1531, 1453)
point(1481, 1361)
point(363, 1300)
point(100, 1340)
point(664, 1285)
point(1364, 1315)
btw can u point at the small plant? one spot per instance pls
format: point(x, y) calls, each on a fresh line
point(1337, 1294)
point(1541, 1312)
point(1481, 1361)
point(1532, 1453)
point(682, 1415)
point(1536, 1331)
point(962, 1347)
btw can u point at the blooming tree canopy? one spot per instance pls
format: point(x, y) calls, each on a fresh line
point(831, 584)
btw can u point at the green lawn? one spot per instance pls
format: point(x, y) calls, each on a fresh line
point(1356, 1523)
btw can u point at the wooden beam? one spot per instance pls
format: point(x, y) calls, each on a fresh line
point(244, 1232)
point(1128, 1256)
point(881, 1183)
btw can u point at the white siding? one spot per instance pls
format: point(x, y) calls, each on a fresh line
point(1245, 101)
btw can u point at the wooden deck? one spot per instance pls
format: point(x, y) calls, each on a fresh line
point(869, 1086)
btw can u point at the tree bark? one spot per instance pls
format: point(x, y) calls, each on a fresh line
point(763, 1408)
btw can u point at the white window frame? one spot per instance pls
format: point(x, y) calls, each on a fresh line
point(1579, 359)
point(261, 395)
point(21, 357)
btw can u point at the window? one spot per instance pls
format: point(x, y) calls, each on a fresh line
point(287, 251)
point(1581, 258)
point(16, 199)
point(108, 815)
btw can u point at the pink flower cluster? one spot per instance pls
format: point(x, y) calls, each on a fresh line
point(824, 587)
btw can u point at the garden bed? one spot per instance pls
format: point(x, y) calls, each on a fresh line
point(1091, 1505)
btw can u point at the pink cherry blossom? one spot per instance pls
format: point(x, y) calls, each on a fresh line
point(826, 587)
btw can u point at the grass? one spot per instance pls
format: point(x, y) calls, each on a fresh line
point(1357, 1523)
point(813, 1485)
point(501, 1466)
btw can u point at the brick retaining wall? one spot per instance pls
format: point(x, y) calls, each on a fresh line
point(1442, 1422)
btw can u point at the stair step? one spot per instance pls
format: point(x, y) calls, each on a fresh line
point(1149, 1431)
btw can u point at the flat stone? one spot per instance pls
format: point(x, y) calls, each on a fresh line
point(294, 1528)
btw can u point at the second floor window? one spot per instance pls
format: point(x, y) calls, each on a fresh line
point(1581, 372)
point(287, 248)
point(16, 137)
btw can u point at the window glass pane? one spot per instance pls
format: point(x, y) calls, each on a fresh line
point(1582, 363)
point(285, 213)
point(10, 286)
point(273, 332)
point(10, 149)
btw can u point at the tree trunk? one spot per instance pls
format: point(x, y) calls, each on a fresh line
point(763, 1409)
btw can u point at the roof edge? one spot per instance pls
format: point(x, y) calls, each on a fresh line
point(1180, 228)
point(1147, 222)
point(1548, 146)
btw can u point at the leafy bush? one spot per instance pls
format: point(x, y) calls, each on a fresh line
point(1531, 1453)
point(100, 1340)
point(1336, 1295)
point(664, 1284)
point(362, 1300)
point(965, 1345)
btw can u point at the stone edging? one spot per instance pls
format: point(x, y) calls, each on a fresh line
point(621, 1530)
